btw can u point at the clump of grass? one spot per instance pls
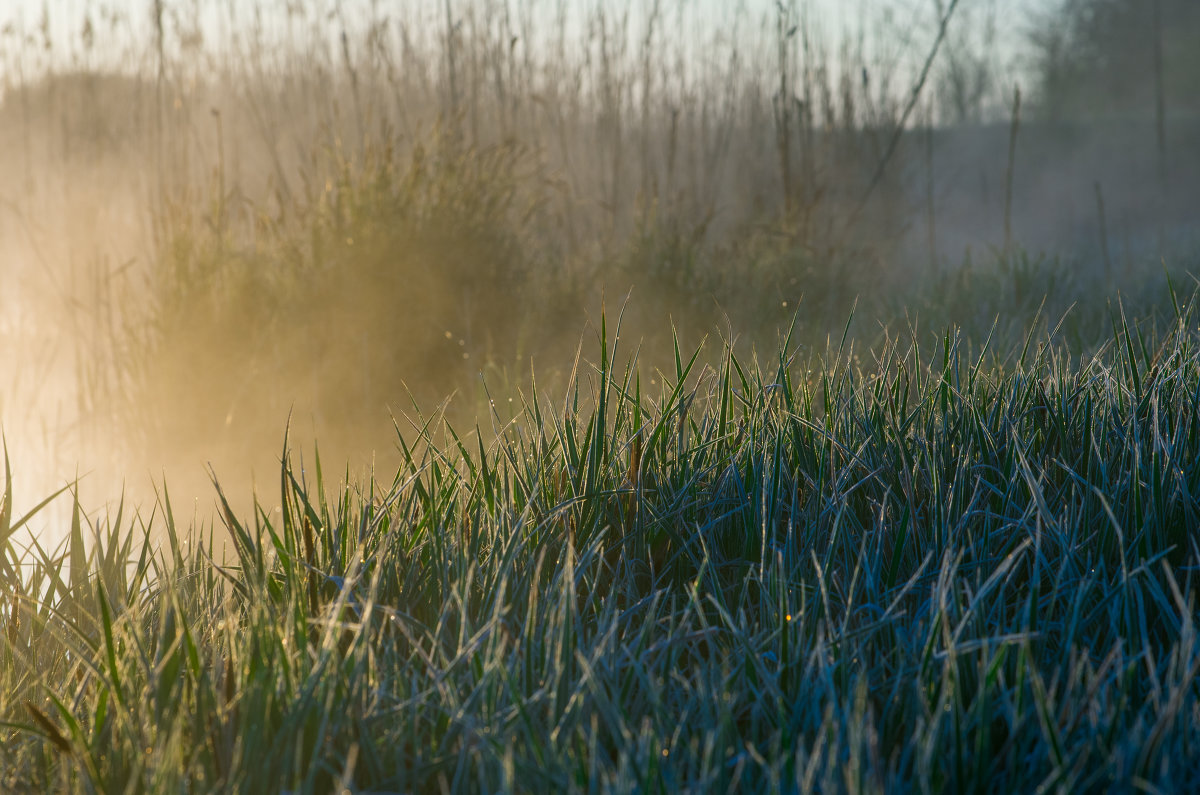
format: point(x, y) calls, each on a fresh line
point(783, 575)
point(395, 272)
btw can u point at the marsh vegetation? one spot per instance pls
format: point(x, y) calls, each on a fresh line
point(645, 398)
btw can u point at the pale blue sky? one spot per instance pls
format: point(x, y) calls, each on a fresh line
point(895, 34)
point(67, 16)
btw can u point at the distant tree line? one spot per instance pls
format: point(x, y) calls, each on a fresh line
point(1106, 59)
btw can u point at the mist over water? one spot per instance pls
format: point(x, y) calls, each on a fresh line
point(216, 236)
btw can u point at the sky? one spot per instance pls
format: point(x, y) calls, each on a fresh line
point(895, 35)
point(66, 17)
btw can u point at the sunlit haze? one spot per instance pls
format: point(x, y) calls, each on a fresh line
point(195, 245)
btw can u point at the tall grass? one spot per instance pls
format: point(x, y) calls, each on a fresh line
point(844, 560)
point(792, 574)
point(198, 188)
point(134, 134)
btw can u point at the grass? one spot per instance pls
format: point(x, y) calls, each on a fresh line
point(959, 562)
point(355, 205)
point(951, 569)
